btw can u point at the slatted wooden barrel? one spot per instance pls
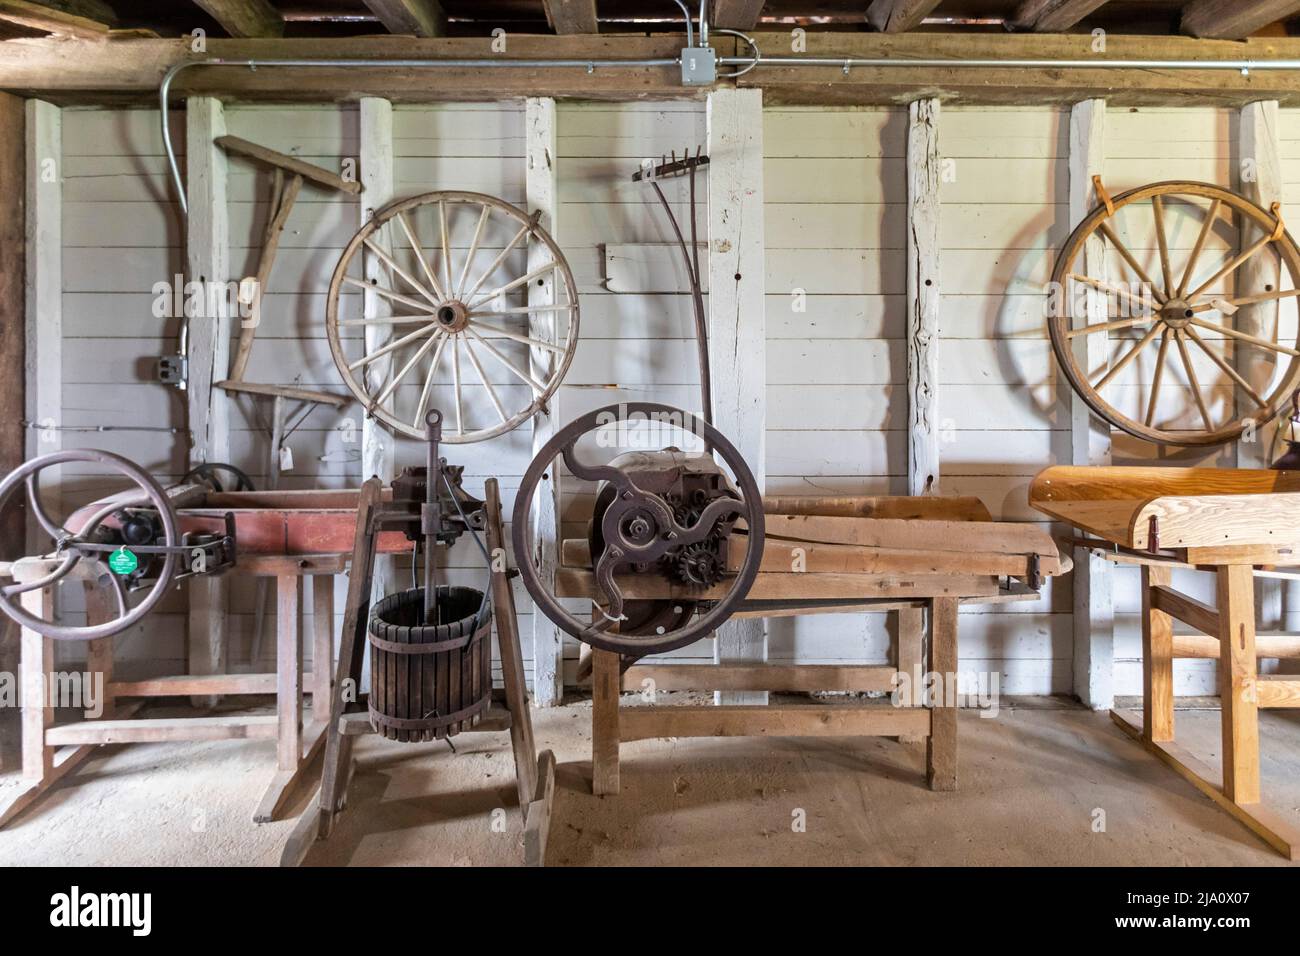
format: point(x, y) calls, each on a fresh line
point(429, 681)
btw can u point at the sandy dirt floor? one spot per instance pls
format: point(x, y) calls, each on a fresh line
point(1033, 780)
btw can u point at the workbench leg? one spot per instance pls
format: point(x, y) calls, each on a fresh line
point(941, 746)
point(605, 681)
point(1237, 667)
point(909, 650)
point(322, 665)
point(288, 669)
point(34, 666)
point(1157, 659)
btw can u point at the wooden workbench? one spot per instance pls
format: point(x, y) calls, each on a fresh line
point(1235, 524)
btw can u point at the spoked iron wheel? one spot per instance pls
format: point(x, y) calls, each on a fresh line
point(1177, 317)
point(451, 325)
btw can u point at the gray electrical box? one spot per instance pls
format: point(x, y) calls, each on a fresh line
point(699, 66)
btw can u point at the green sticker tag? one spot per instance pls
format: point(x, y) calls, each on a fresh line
point(123, 561)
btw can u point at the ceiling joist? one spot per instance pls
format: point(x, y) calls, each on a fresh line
point(78, 18)
point(572, 16)
point(1052, 16)
point(245, 18)
point(736, 14)
point(899, 16)
point(1234, 19)
point(420, 18)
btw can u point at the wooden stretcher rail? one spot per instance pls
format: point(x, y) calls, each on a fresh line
point(791, 720)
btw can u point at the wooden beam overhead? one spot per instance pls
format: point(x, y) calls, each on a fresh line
point(899, 16)
point(245, 18)
point(736, 14)
point(1233, 19)
point(572, 16)
point(1052, 16)
point(421, 18)
point(78, 18)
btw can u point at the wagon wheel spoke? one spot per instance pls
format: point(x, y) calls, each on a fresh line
point(391, 346)
point(526, 310)
point(516, 336)
point(388, 320)
point(1158, 209)
point(1129, 356)
point(1245, 300)
point(446, 242)
point(514, 284)
point(1109, 326)
point(392, 264)
point(386, 293)
point(496, 263)
point(427, 390)
point(482, 377)
point(1227, 369)
point(1198, 247)
point(1115, 290)
point(1192, 380)
point(537, 386)
point(1155, 381)
point(1231, 266)
point(1133, 264)
point(1252, 339)
point(420, 353)
point(455, 381)
point(473, 249)
point(421, 257)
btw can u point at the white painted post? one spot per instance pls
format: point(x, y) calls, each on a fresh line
point(378, 446)
point(44, 322)
point(923, 297)
point(1090, 443)
point(542, 197)
point(737, 318)
point(1259, 175)
point(208, 408)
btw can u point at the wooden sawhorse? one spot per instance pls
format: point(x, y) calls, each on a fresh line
point(53, 751)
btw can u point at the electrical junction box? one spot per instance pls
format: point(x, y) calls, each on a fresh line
point(699, 66)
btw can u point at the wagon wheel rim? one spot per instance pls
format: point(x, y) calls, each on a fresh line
point(457, 317)
point(1166, 303)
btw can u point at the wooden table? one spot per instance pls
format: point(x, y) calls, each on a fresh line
point(1235, 524)
point(901, 555)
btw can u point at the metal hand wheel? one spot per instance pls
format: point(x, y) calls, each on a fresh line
point(1164, 269)
point(457, 295)
point(93, 540)
point(639, 529)
point(209, 473)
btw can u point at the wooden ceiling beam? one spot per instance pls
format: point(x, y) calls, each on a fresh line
point(1233, 19)
point(78, 18)
point(572, 16)
point(736, 14)
point(899, 16)
point(1052, 16)
point(245, 18)
point(420, 18)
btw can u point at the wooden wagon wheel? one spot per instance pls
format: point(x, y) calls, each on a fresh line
point(1173, 302)
point(453, 306)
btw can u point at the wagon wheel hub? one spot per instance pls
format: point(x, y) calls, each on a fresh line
point(453, 317)
point(1176, 313)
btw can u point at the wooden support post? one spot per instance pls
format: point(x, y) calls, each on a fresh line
point(34, 670)
point(1090, 444)
point(208, 408)
point(909, 657)
point(542, 197)
point(923, 162)
point(322, 655)
point(378, 446)
point(1157, 659)
point(941, 746)
point(44, 297)
point(605, 739)
point(288, 669)
point(1237, 675)
point(737, 318)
